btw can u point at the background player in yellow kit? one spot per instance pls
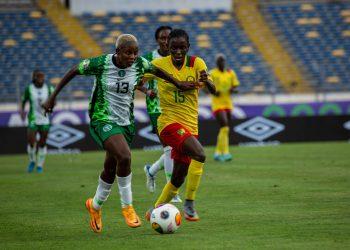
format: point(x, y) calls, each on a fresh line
point(178, 122)
point(225, 81)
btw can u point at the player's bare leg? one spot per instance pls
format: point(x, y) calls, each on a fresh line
point(42, 151)
point(31, 149)
point(117, 146)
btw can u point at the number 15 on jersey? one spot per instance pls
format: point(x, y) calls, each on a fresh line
point(179, 96)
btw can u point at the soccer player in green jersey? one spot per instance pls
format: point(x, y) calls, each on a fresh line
point(154, 111)
point(36, 93)
point(112, 120)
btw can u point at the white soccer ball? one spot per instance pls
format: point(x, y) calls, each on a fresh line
point(165, 219)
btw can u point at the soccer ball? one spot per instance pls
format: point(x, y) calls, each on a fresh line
point(165, 219)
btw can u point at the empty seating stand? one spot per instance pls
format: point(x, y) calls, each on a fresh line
point(318, 36)
point(211, 32)
point(29, 41)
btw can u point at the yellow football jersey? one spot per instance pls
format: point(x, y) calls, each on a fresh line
point(179, 106)
point(223, 82)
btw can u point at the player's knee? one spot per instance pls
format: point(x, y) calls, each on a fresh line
point(124, 159)
point(200, 155)
point(177, 181)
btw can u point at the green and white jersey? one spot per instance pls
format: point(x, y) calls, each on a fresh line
point(113, 92)
point(37, 96)
point(153, 106)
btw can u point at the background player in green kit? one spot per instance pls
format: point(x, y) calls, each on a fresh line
point(36, 93)
point(154, 111)
point(112, 120)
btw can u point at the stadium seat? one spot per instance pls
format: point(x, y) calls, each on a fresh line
point(141, 19)
point(9, 43)
point(70, 54)
point(28, 35)
point(116, 20)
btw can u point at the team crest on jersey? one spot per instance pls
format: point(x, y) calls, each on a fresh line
point(86, 63)
point(121, 73)
point(107, 127)
point(190, 79)
point(181, 131)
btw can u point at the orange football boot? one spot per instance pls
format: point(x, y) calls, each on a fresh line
point(95, 216)
point(130, 216)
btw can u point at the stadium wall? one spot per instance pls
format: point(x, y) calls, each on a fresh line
point(257, 131)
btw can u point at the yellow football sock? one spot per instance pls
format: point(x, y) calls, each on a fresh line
point(194, 175)
point(222, 141)
point(219, 146)
point(225, 139)
point(169, 191)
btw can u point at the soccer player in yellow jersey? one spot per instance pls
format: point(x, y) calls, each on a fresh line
point(225, 81)
point(178, 122)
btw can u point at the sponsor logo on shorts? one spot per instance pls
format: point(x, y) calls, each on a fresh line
point(107, 127)
point(181, 131)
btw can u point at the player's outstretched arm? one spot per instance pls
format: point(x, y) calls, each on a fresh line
point(203, 77)
point(50, 102)
point(148, 92)
point(167, 77)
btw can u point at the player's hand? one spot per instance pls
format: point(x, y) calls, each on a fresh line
point(48, 105)
point(203, 76)
point(151, 93)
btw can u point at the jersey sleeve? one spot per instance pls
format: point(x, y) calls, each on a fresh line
point(200, 66)
point(157, 62)
point(25, 96)
point(212, 73)
point(235, 81)
point(148, 56)
point(144, 66)
point(92, 66)
point(51, 89)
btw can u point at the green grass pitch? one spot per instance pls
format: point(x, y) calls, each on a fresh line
point(293, 196)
